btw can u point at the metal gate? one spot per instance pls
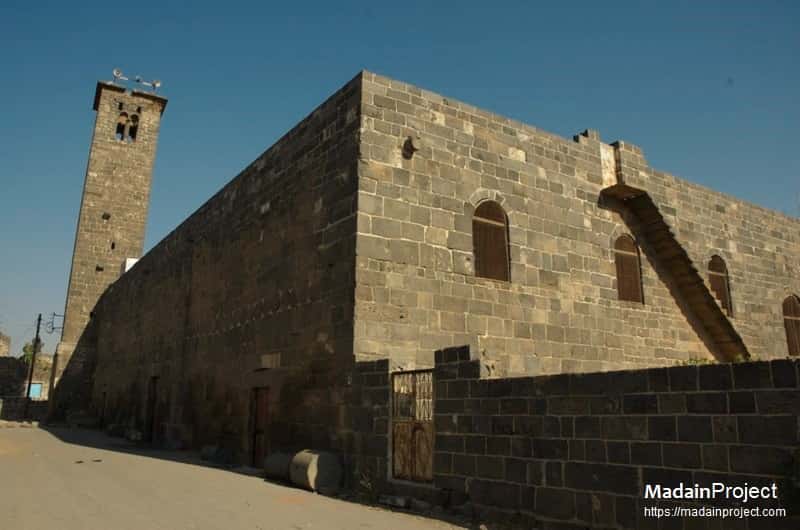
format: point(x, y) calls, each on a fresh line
point(412, 425)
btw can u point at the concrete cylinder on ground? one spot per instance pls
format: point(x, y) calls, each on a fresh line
point(316, 470)
point(277, 465)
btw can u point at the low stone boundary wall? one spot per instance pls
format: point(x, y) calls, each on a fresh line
point(577, 451)
point(13, 409)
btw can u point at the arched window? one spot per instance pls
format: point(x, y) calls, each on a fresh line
point(718, 278)
point(133, 128)
point(490, 241)
point(629, 269)
point(122, 123)
point(791, 321)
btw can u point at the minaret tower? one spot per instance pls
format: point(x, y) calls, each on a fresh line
point(113, 213)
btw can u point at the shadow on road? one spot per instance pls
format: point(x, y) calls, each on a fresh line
point(97, 439)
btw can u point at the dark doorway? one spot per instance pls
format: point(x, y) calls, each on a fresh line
point(151, 420)
point(259, 407)
point(103, 410)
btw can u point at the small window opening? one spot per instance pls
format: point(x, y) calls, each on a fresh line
point(99, 268)
point(791, 321)
point(120, 105)
point(490, 241)
point(629, 269)
point(720, 283)
point(113, 245)
point(106, 216)
point(133, 128)
point(122, 125)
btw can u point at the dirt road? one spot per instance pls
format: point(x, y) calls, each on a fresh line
point(82, 480)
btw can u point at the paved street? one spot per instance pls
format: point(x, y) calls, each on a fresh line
point(82, 480)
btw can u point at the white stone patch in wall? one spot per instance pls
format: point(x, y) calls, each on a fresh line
point(469, 128)
point(608, 164)
point(127, 264)
point(396, 158)
point(732, 247)
point(271, 361)
point(437, 117)
point(264, 208)
point(318, 205)
point(517, 154)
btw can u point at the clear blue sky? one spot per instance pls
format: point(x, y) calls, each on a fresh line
point(709, 90)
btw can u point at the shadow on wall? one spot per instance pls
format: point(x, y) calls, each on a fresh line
point(72, 385)
point(13, 372)
point(14, 409)
point(664, 274)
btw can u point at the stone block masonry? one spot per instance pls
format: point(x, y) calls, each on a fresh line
point(416, 285)
point(253, 290)
point(350, 241)
point(575, 451)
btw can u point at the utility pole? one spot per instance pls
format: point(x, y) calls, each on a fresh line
point(33, 364)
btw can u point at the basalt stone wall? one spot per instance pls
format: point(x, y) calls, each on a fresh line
point(20, 409)
point(575, 451)
point(760, 247)
point(253, 288)
point(416, 287)
point(111, 226)
point(13, 373)
point(344, 409)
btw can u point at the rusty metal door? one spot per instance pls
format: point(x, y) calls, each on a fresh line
point(259, 407)
point(412, 425)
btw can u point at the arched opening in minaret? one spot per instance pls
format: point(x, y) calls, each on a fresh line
point(133, 128)
point(122, 122)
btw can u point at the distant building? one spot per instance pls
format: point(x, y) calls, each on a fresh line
point(14, 373)
point(5, 345)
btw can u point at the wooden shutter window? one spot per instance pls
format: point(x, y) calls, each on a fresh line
point(490, 242)
point(629, 270)
point(791, 321)
point(718, 279)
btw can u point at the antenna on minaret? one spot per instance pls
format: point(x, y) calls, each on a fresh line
point(117, 73)
point(155, 84)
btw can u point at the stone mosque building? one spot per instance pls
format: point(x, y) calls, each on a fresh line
point(389, 223)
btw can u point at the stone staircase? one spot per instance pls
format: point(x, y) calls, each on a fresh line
point(662, 247)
